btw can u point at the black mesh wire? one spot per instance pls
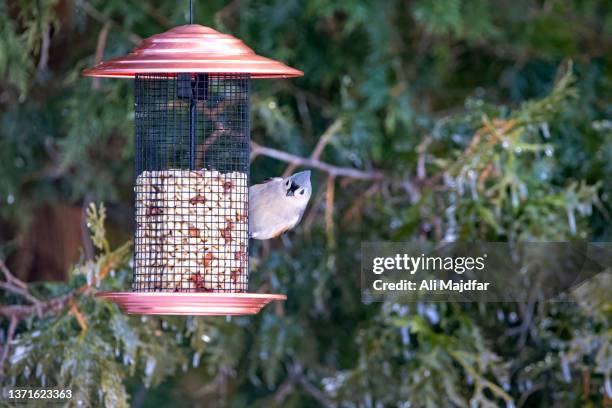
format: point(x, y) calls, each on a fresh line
point(192, 175)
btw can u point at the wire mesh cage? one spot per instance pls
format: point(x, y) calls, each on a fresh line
point(192, 177)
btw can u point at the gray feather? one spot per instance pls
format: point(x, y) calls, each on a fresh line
point(274, 208)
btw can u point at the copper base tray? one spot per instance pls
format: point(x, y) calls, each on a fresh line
point(181, 303)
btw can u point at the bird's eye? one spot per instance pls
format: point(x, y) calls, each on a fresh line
point(288, 183)
point(302, 192)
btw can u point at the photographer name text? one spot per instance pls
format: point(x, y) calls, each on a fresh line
point(431, 285)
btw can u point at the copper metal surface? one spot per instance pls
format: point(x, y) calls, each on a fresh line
point(182, 303)
point(192, 48)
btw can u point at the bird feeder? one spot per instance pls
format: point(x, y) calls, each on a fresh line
point(192, 143)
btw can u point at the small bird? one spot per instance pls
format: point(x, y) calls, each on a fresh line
point(277, 205)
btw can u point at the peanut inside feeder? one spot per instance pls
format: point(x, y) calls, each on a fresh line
point(199, 242)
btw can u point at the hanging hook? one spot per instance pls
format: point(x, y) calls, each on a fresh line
point(190, 11)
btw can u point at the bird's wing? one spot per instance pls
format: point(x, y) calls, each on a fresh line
point(262, 199)
point(270, 218)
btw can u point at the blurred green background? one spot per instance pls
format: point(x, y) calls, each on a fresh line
point(487, 121)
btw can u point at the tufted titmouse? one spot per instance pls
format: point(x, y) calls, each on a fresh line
point(278, 204)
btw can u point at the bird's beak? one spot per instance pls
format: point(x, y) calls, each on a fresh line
point(292, 188)
point(301, 179)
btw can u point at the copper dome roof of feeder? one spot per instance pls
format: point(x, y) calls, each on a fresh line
point(192, 48)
